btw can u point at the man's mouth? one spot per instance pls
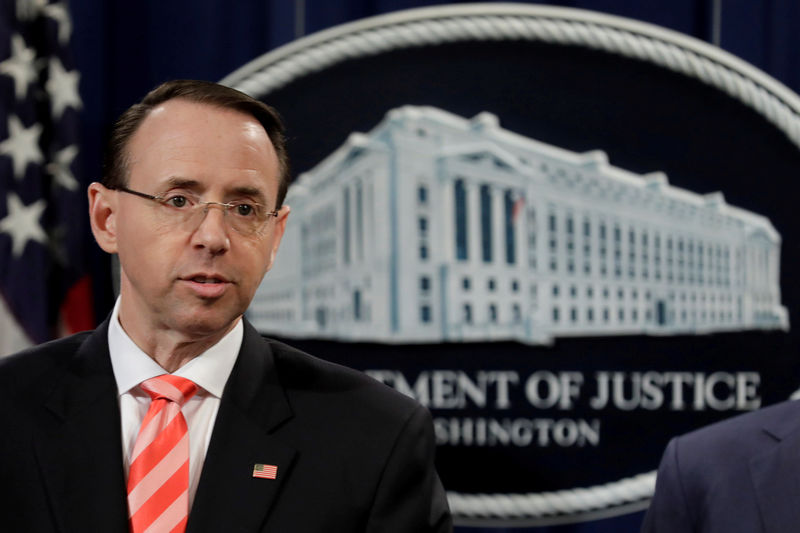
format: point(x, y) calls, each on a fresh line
point(203, 279)
point(208, 285)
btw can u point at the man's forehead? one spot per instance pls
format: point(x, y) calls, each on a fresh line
point(187, 144)
point(177, 110)
point(182, 122)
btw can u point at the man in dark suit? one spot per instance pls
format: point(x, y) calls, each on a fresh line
point(741, 474)
point(261, 437)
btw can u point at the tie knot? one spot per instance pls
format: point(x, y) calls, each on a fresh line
point(173, 388)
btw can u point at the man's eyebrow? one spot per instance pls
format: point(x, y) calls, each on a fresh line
point(182, 183)
point(252, 192)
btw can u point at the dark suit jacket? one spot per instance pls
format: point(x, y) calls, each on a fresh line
point(352, 454)
point(742, 474)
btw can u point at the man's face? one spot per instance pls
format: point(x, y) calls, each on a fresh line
point(196, 280)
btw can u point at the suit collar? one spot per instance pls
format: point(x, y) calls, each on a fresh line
point(253, 406)
point(78, 443)
point(776, 474)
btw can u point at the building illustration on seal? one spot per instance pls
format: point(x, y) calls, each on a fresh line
point(435, 228)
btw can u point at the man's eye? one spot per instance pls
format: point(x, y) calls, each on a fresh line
point(177, 201)
point(244, 210)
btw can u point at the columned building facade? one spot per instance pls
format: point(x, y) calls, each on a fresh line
point(436, 228)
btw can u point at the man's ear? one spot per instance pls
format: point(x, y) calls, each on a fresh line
point(102, 215)
point(280, 227)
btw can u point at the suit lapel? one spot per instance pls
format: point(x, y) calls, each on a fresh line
point(776, 477)
point(253, 405)
point(79, 447)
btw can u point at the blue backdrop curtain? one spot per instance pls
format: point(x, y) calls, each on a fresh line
point(123, 49)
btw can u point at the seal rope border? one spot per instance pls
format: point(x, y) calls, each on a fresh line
point(554, 25)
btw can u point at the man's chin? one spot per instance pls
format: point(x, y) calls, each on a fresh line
point(207, 323)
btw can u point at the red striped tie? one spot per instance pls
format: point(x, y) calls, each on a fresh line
point(158, 482)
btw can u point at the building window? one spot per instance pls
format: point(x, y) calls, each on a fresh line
point(510, 208)
point(359, 221)
point(555, 314)
point(423, 252)
point(486, 223)
point(461, 220)
point(516, 313)
point(491, 284)
point(357, 305)
point(467, 314)
point(514, 285)
point(424, 284)
point(466, 283)
point(425, 313)
point(423, 226)
point(493, 313)
point(346, 232)
point(422, 195)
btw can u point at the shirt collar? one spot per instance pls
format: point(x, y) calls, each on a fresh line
point(209, 370)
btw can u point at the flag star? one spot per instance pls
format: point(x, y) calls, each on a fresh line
point(20, 65)
point(22, 145)
point(59, 167)
point(22, 223)
point(63, 88)
point(58, 12)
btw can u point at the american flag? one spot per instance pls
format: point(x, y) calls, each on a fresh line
point(44, 292)
point(265, 471)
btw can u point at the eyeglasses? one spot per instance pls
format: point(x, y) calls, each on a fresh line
point(188, 211)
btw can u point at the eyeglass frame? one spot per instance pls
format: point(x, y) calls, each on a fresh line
point(226, 206)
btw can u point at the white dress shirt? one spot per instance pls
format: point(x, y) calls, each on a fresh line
point(209, 371)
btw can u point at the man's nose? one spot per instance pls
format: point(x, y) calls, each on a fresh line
point(213, 231)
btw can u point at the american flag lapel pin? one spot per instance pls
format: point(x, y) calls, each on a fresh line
point(265, 471)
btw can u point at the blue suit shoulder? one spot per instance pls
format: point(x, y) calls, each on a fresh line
point(743, 434)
